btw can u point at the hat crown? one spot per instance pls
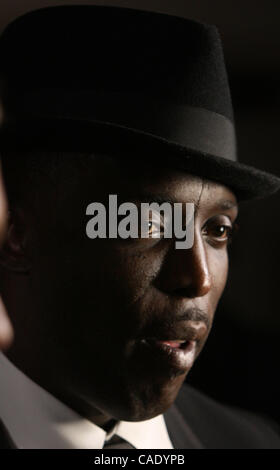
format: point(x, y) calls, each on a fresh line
point(91, 78)
point(117, 49)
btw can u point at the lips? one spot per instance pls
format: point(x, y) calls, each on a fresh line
point(173, 344)
point(172, 349)
point(177, 335)
point(170, 355)
point(179, 344)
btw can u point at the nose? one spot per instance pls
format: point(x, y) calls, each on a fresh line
point(185, 272)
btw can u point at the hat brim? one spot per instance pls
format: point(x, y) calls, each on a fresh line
point(67, 134)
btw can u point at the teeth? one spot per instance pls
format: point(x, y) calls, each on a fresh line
point(173, 343)
point(176, 340)
point(181, 341)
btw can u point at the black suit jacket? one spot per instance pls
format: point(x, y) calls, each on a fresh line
point(195, 421)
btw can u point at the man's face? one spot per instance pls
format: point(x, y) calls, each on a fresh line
point(89, 303)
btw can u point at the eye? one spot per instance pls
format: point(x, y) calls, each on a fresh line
point(219, 231)
point(155, 229)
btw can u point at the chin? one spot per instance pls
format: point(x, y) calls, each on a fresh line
point(145, 400)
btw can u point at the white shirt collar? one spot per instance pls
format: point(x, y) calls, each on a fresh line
point(35, 419)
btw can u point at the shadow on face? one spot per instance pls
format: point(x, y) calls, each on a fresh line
point(89, 312)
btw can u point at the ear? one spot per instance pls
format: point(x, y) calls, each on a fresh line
point(13, 256)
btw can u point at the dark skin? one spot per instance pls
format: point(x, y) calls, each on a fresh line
point(83, 304)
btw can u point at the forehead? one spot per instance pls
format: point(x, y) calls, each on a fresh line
point(150, 180)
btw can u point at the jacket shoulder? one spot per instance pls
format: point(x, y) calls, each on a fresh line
point(5, 438)
point(219, 426)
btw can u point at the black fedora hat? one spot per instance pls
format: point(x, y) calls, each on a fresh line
point(81, 76)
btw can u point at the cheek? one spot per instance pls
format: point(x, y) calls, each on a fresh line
point(218, 260)
point(131, 273)
point(117, 286)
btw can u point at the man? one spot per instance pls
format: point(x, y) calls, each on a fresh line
point(101, 101)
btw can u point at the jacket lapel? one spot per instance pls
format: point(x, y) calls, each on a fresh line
point(181, 435)
point(6, 441)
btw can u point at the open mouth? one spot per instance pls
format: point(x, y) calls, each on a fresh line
point(174, 344)
point(177, 354)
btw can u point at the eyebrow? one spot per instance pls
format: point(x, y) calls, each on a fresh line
point(226, 204)
point(148, 197)
point(223, 204)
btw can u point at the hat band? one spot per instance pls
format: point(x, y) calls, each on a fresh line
point(192, 127)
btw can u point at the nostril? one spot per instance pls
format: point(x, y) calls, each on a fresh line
point(193, 290)
point(188, 292)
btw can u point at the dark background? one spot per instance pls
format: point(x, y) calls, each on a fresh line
point(240, 362)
